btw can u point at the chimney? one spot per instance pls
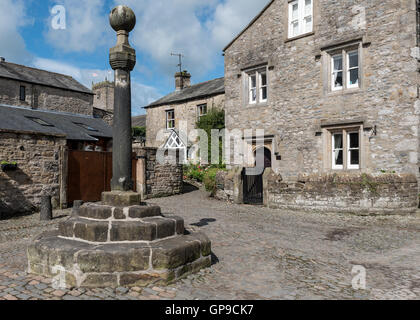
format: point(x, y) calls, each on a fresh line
point(182, 80)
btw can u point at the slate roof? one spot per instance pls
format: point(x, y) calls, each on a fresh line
point(18, 119)
point(139, 121)
point(197, 91)
point(41, 77)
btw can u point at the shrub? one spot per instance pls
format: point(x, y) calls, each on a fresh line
point(210, 180)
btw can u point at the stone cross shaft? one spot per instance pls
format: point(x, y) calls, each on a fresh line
point(122, 59)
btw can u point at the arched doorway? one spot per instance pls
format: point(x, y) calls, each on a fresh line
point(253, 178)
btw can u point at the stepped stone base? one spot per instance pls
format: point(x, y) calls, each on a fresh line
point(112, 246)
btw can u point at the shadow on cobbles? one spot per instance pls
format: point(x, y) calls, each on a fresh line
point(203, 222)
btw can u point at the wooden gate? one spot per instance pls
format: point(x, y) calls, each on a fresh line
point(253, 186)
point(90, 174)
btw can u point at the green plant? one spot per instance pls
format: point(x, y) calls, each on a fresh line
point(213, 120)
point(14, 163)
point(210, 180)
point(139, 132)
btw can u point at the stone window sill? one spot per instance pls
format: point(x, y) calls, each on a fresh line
point(300, 37)
point(256, 105)
point(345, 91)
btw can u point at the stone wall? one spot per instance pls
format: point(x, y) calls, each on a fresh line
point(106, 116)
point(352, 193)
point(45, 98)
point(37, 174)
point(161, 180)
point(104, 96)
point(187, 112)
point(299, 101)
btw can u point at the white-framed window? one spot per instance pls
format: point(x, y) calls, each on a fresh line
point(263, 86)
point(201, 110)
point(345, 70)
point(170, 119)
point(257, 85)
point(253, 88)
point(353, 69)
point(300, 17)
point(345, 149)
point(337, 72)
point(353, 154)
point(338, 151)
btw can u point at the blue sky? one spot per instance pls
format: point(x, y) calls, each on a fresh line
point(197, 28)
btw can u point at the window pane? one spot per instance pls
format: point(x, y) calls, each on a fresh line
point(264, 93)
point(253, 94)
point(354, 140)
point(308, 8)
point(253, 81)
point(338, 79)
point(338, 141)
point(308, 24)
point(354, 157)
point(295, 28)
point(338, 63)
point(354, 76)
point(339, 157)
point(353, 60)
point(295, 12)
point(263, 79)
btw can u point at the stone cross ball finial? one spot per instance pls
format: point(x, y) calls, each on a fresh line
point(122, 18)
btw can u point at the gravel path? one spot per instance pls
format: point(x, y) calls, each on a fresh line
point(258, 253)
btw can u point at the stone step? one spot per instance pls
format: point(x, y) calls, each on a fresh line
point(148, 229)
point(119, 264)
point(105, 212)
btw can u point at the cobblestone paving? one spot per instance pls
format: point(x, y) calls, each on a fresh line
point(259, 253)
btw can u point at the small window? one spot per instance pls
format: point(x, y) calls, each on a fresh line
point(300, 17)
point(40, 122)
point(338, 157)
point(353, 69)
point(337, 74)
point(85, 126)
point(22, 93)
point(353, 143)
point(346, 149)
point(170, 119)
point(257, 86)
point(201, 110)
point(345, 70)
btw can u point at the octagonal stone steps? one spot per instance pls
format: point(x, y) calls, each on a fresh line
point(101, 223)
point(124, 264)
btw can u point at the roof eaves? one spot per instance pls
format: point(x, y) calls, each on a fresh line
point(249, 25)
point(184, 100)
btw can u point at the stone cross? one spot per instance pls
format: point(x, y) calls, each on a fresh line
point(122, 59)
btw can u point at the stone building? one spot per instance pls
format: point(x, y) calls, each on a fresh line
point(180, 110)
point(44, 90)
point(335, 87)
point(44, 117)
point(103, 102)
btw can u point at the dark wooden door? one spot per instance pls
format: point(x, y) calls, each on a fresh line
point(253, 186)
point(90, 174)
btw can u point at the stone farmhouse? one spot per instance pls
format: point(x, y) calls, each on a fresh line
point(335, 87)
point(45, 119)
point(183, 107)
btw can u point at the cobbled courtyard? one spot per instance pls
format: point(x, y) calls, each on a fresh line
point(258, 253)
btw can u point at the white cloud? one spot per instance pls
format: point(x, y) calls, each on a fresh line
point(12, 17)
point(231, 17)
point(142, 95)
point(197, 28)
point(86, 27)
